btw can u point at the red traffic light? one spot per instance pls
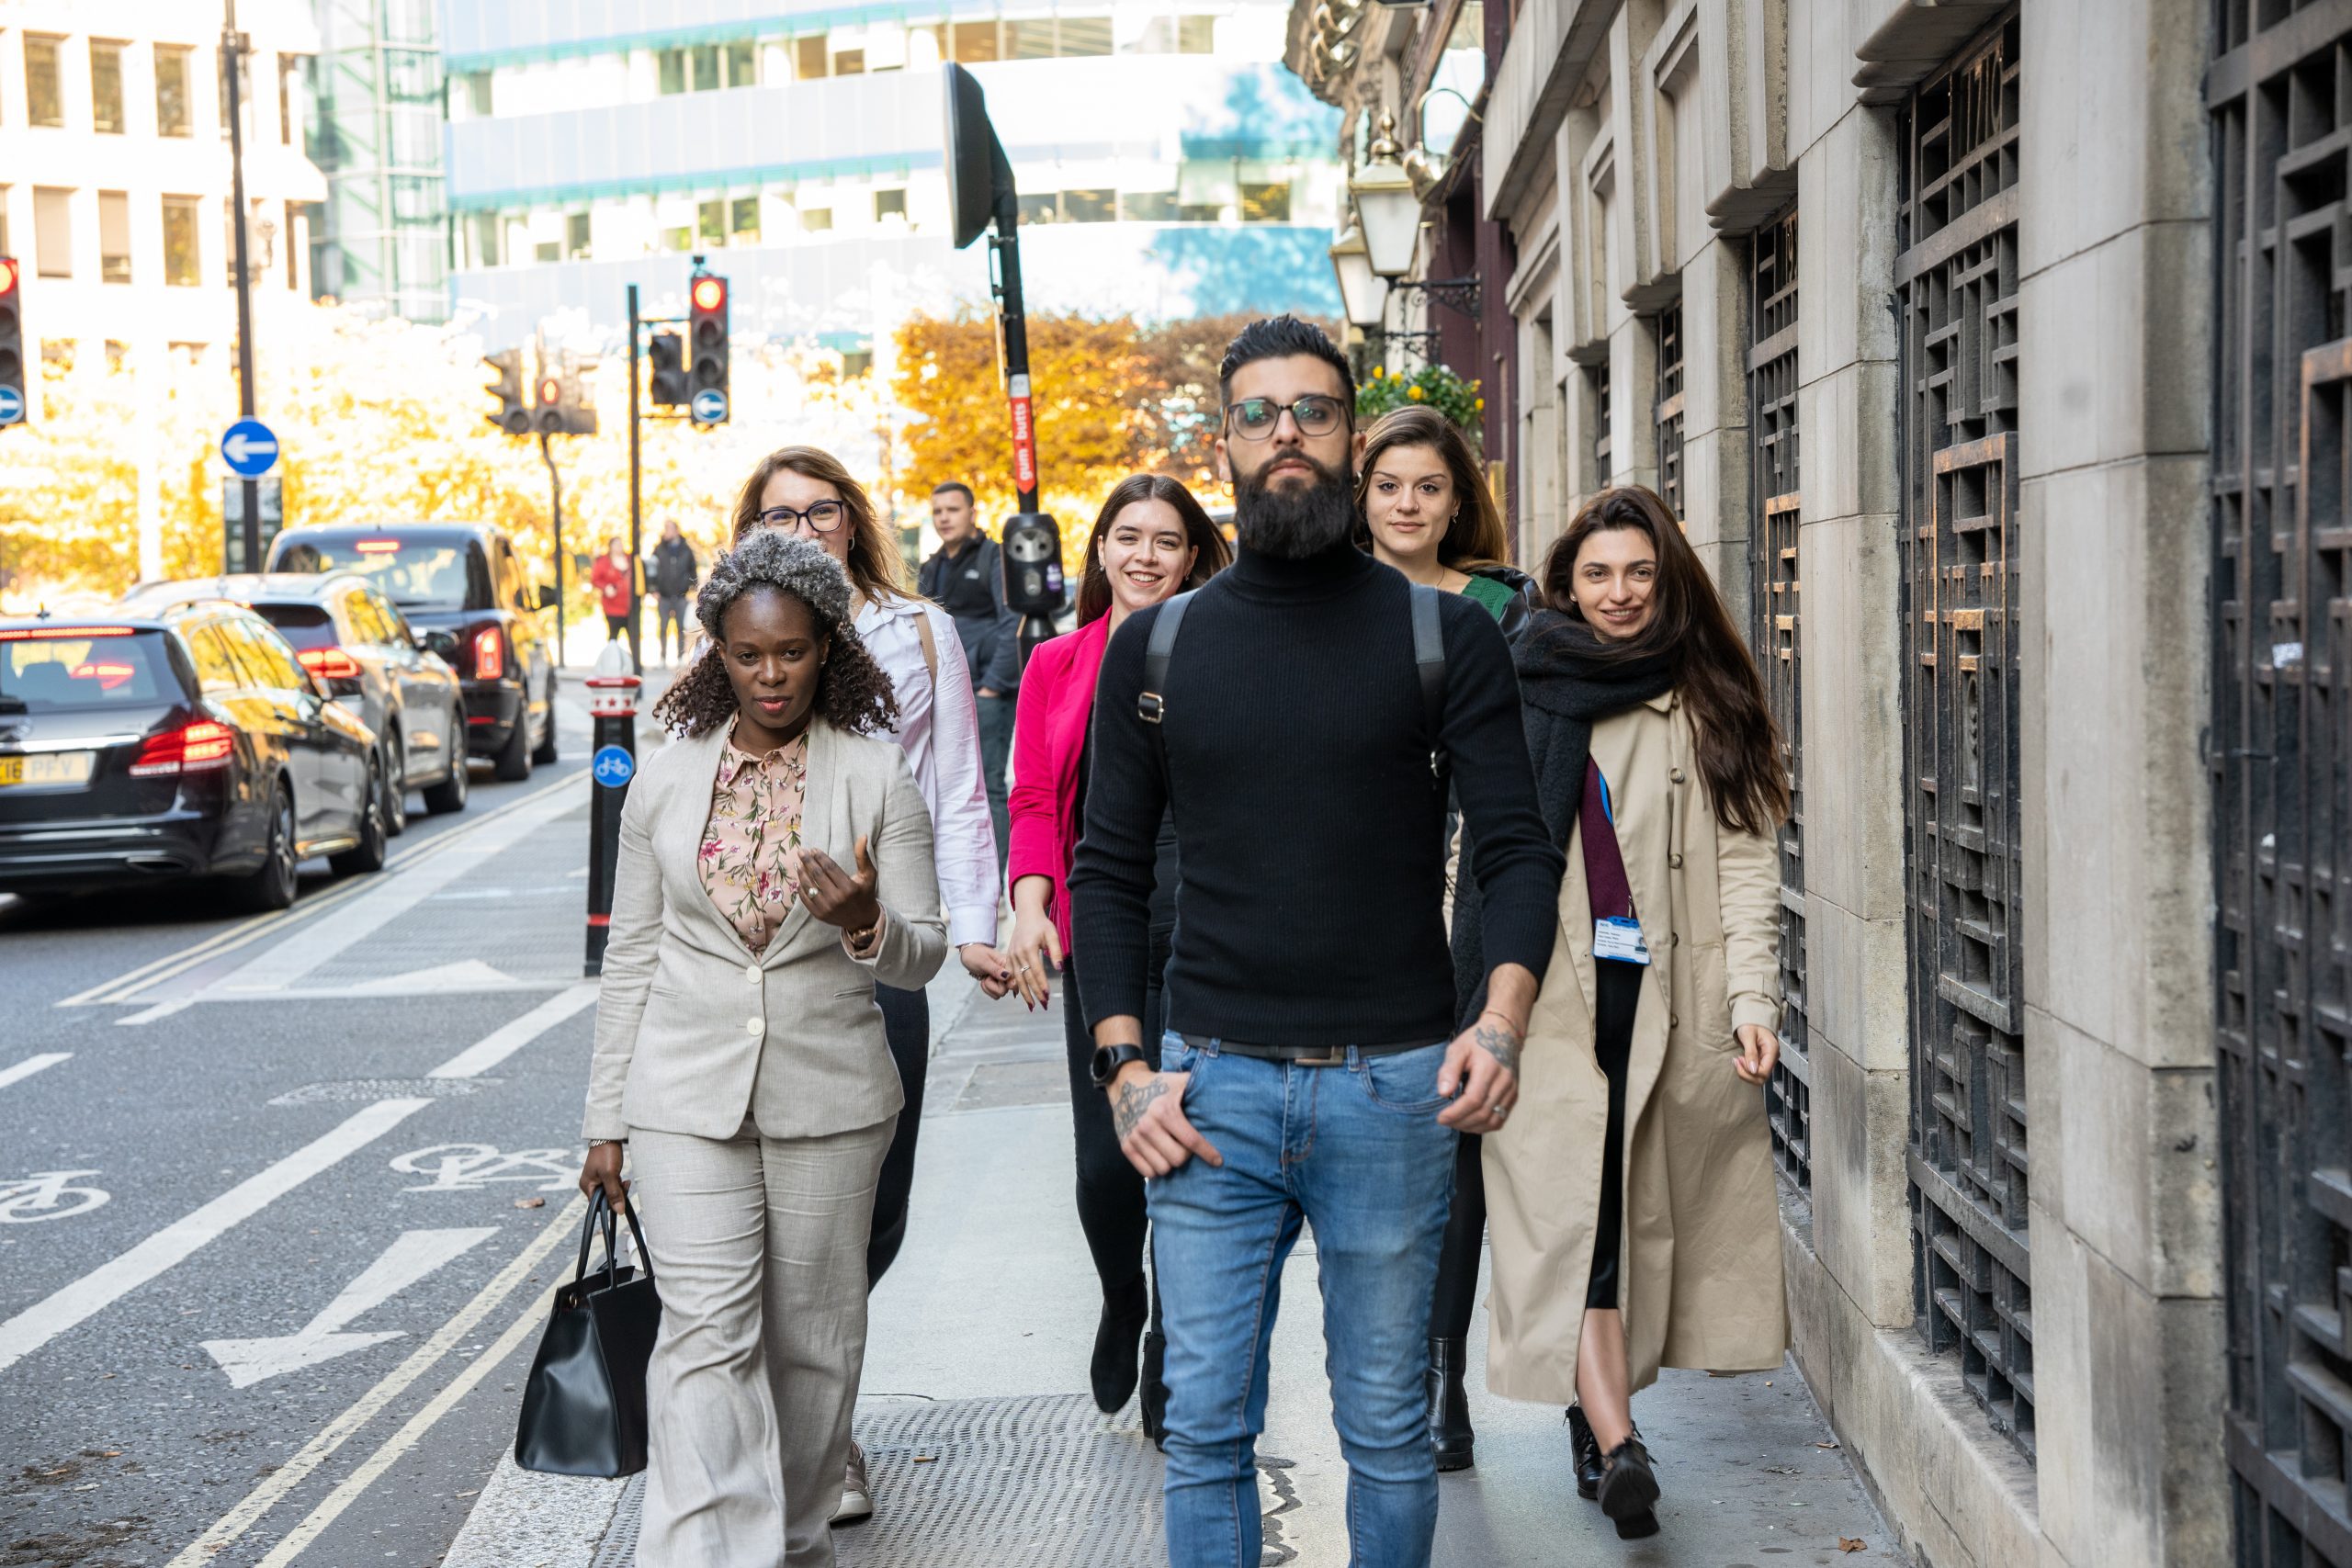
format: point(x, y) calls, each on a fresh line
point(710, 293)
point(7, 275)
point(550, 390)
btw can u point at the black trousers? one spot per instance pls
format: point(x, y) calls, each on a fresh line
point(1110, 1191)
point(906, 1021)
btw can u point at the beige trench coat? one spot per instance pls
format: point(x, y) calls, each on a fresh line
point(1700, 1270)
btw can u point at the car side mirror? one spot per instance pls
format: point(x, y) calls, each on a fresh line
point(543, 598)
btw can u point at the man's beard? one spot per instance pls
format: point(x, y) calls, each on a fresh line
point(1294, 520)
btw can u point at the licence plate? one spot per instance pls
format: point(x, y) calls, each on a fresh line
point(47, 768)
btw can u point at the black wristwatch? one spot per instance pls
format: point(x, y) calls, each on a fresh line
point(1109, 1059)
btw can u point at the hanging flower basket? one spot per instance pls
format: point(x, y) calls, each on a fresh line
point(1432, 385)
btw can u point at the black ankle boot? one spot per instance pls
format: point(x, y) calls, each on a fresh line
point(1629, 1489)
point(1113, 1371)
point(1450, 1438)
point(1584, 1448)
point(1152, 1392)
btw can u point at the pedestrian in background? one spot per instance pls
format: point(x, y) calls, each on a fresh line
point(1150, 540)
point(740, 1056)
point(1310, 1072)
point(965, 578)
point(804, 491)
point(613, 575)
point(1428, 512)
point(1634, 1218)
point(674, 578)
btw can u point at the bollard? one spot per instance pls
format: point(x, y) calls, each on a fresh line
point(612, 699)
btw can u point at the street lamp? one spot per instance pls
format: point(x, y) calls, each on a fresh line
point(1386, 202)
point(1363, 293)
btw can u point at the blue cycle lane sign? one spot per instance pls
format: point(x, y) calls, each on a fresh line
point(12, 405)
point(613, 766)
point(250, 448)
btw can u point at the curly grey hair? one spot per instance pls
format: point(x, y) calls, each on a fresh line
point(772, 559)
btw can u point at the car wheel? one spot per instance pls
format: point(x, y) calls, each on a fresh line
point(396, 786)
point(272, 886)
point(544, 754)
point(375, 829)
point(514, 759)
point(449, 795)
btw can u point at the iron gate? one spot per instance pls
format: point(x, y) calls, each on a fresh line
point(1775, 633)
point(2279, 93)
point(1956, 272)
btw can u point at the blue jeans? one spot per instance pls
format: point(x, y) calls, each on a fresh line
point(1356, 1151)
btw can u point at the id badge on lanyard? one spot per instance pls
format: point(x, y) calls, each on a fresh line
point(1617, 938)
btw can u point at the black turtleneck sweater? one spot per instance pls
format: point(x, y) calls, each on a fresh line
point(1309, 828)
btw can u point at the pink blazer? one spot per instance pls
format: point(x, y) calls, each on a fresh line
point(1049, 739)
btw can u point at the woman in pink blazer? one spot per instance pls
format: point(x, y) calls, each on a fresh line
point(1151, 540)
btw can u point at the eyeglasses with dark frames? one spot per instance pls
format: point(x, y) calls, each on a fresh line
point(1253, 419)
point(824, 516)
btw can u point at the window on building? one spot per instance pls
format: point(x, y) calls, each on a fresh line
point(117, 353)
point(1148, 206)
point(704, 59)
point(680, 238)
point(850, 63)
point(1090, 206)
point(809, 58)
point(670, 72)
point(710, 221)
point(742, 65)
point(1045, 208)
point(1199, 212)
point(57, 356)
point(816, 220)
point(1030, 40)
point(114, 236)
point(575, 236)
point(484, 226)
point(172, 115)
point(891, 203)
point(183, 258)
point(973, 43)
point(1084, 36)
point(1196, 35)
point(229, 239)
point(293, 249)
point(479, 97)
point(744, 220)
point(44, 92)
point(289, 70)
point(106, 87)
point(52, 231)
point(1268, 203)
point(856, 362)
point(549, 250)
point(189, 353)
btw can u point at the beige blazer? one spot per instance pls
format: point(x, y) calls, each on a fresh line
point(693, 1033)
point(1698, 1268)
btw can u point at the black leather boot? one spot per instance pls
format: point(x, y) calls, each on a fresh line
point(1629, 1489)
point(1450, 1438)
point(1112, 1371)
point(1152, 1392)
point(1585, 1449)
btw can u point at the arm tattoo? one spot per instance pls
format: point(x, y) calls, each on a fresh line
point(1132, 1101)
point(1499, 1042)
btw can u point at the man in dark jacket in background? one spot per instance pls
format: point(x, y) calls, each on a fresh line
point(674, 579)
point(965, 578)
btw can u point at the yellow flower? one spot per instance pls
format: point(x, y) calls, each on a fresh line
point(1476, 386)
point(1379, 374)
point(1480, 404)
point(1414, 393)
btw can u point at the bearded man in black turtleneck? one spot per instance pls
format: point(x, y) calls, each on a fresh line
point(1311, 1071)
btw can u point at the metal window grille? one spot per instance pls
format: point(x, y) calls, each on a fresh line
point(1602, 474)
point(1667, 412)
point(1957, 275)
point(1775, 631)
point(2281, 140)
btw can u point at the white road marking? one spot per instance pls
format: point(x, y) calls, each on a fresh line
point(206, 1549)
point(160, 1012)
point(469, 1167)
point(32, 1065)
point(110, 1282)
point(407, 1260)
point(501, 1043)
point(467, 974)
point(49, 1195)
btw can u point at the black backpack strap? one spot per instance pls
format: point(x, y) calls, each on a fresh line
point(1428, 659)
point(1150, 705)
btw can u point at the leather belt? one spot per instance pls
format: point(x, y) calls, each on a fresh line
point(1302, 1055)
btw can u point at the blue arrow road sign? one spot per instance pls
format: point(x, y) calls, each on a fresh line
point(249, 449)
point(710, 405)
point(12, 405)
point(614, 766)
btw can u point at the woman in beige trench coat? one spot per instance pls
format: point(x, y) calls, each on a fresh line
point(1658, 764)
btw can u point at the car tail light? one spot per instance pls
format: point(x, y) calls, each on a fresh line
point(490, 655)
point(330, 663)
point(64, 634)
point(192, 749)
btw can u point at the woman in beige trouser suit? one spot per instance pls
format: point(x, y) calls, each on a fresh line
point(741, 1057)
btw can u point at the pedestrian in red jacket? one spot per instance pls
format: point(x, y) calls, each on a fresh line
point(615, 575)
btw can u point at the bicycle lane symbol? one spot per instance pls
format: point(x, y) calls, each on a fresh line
point(49, 1195)
point(469, 1168)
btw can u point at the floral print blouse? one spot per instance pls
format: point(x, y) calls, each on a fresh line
point(750, 860)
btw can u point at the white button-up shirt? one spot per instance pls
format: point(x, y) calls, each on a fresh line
point(939, 729)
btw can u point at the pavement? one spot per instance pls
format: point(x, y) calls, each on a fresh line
point(281, 1198)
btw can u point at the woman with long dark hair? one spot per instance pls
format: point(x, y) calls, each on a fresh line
point(1151, 540)
point(805, 492)
point(775, 871)
point(1639, 1170)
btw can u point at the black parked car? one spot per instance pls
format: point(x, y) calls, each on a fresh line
point(464, 581)
point(182, 742)
point(355, 641)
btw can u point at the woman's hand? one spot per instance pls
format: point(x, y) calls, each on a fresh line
point(992, 969)
point(602, 1169)
point(1759, 1053)
point(836, 898)
point(1035, 943)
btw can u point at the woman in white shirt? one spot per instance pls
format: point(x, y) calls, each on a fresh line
point(804, 490)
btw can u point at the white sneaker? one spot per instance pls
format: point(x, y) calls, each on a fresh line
point(857, 1494)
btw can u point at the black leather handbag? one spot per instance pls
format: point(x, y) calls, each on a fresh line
point(583, 1408)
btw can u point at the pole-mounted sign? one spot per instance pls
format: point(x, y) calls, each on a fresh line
point(250, 448)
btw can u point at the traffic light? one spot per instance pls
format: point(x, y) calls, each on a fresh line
point(706, 333)
point(12, 344)
point(668, 351)
point(513, 415)
point(566, 404)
